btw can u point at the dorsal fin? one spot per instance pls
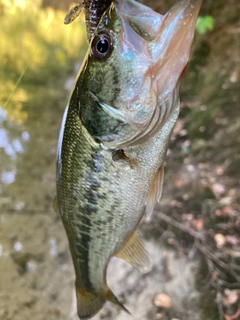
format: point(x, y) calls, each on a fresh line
point(155, 192)
point(135, 253)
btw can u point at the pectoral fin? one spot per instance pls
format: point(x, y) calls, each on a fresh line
point(112, 112)
point(155, 191)
point(135, 253)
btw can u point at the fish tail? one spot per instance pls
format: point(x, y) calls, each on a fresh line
point(89, 303)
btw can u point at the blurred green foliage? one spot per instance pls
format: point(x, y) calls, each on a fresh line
point(36, 50)
point(204, 24)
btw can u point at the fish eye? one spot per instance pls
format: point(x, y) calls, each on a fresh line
point(101, 45)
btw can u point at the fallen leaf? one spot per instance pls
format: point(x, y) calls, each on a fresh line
point(215, 276)
point(230, 297)
point(197, 224)
point(176, 203)
point(232, 240)
point(220, 170)
point(178, 183)
point(171, 241)
point(226, 201)
point(218, 189)
point(220, 240)
point(190, 167)
point(220, 213)
point(162, 300)
point(234, 316)
point(187, 216)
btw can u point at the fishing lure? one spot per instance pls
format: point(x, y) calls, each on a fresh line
point(93, 9)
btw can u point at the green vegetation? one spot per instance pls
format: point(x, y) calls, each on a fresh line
point(37, 50)
point(205, 24)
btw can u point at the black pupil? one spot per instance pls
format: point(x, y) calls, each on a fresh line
point(102, 46)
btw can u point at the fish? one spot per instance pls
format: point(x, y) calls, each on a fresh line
point(114, 138)
point(93, 10)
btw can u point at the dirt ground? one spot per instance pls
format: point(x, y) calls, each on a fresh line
point(193, 237)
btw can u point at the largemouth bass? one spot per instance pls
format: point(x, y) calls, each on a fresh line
point(114, 138)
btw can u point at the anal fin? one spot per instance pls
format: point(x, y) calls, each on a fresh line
point(112, 298)
point(135, 253)
point(155, 192)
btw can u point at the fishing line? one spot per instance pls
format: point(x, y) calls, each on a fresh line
point(26, 67)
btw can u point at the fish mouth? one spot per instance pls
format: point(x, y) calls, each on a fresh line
point(163, 42)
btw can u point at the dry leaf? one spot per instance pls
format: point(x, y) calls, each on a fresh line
point(178, 183)
point(220, 240)
point(230, 297)
point(220, 170)
point(232, 240)
point(218, 189)
point(162, 300)
point(176, 203)
point(197, 224)
point(233, 317)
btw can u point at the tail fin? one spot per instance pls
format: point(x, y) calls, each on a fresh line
point(90, 303)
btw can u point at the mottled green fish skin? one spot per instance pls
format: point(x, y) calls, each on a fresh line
point(102, 201)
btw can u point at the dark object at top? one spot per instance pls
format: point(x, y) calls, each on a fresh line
point(93, 9)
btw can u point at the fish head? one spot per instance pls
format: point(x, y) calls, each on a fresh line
point(130, 78)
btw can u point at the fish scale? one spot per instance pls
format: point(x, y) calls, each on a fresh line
point(114, 138)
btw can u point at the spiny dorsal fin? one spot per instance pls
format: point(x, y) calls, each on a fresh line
point(56, 205)
point(135, 253)
point(155, 191)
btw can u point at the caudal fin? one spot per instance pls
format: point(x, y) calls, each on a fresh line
point(90, 303)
